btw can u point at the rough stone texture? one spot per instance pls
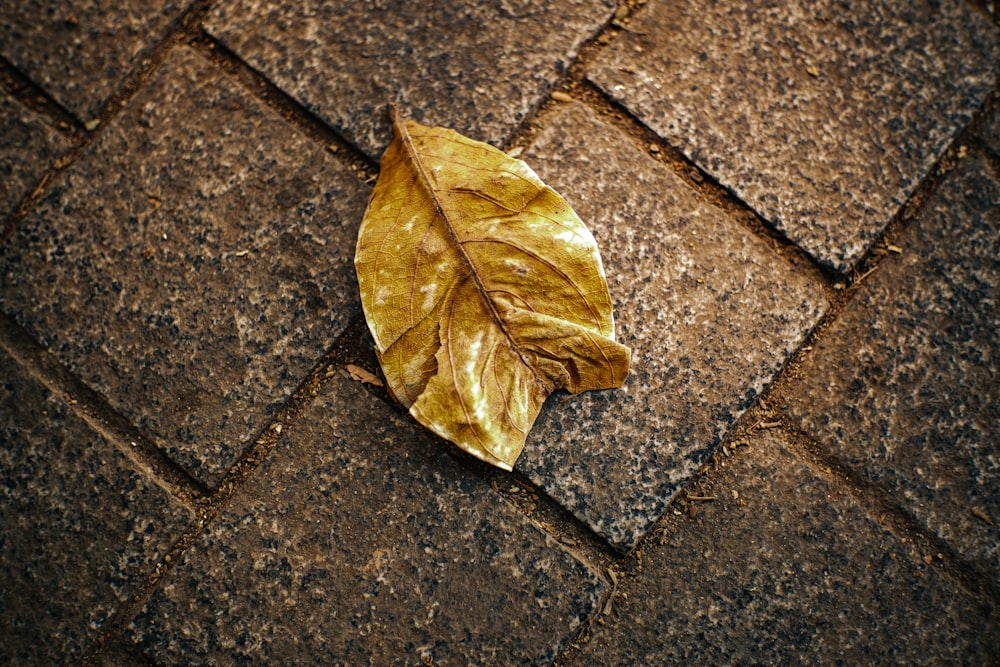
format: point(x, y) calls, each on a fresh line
point(79, 526)
point(903, 387)
point(81, 51)
point(27, 147)
point(823, 116)
point(791, 572)
point(362, 541)
point(477, 68)
point(990, 131)
point(710, 312)
point(193, 265)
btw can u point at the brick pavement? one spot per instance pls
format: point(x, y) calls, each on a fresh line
point(798, 206)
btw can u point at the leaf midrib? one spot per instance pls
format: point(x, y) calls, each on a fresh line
point(399, 126)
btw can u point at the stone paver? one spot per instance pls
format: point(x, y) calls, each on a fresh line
point(27, 147)
point(80, 52)
point(710, 312)
point(362, 541)
point(193, 265)
point(475, 67)
point(903, 388)
point(990, 133)
point(79, 526)
point(822, 117)
point(789, 571)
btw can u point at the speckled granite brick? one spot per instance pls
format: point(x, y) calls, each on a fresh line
point(475, 67)
point(822, 116)
point(710, 311)
point(792, 572)
point(990, 131)
point(81, 51)
point(27, 147)
point(362, 541)
point(193, 265)
point(79, 525)
point(903, 387)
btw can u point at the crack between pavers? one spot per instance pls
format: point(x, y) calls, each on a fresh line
point(880, 506)
point(144, 455)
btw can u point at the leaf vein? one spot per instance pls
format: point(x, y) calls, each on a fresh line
point(407, 142)
point(552, 267)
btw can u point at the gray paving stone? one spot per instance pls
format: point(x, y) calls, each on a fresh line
point(79, 525)
point(27, 147)
point(81, 51)
point(990, 131)
point(822, 116)
point(710, 312)
point(362, 541)
point(193, 265)
point(792, 572)
point(475, 67)
point(903, 387)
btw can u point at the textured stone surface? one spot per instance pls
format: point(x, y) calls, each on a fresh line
point(475, 67)
point(362, 541)
point(193, 265)
point(81, 51)
point(903, 388)
point(709, 310)
point(823, 116)
point(27, 147)
point(990, 131)
point(79, 526)
point(790, 572)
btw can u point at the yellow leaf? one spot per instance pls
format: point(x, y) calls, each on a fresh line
point(483, 291)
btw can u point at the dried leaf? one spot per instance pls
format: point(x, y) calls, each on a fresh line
point(483, 291)
point(363, 375)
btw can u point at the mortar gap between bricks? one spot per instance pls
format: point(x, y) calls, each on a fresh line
point(81, 134)
point(550, 516)
point(721, 197)
point(146, 63)
point(546, 513)
point(94, 409)
point(630, 565)
point(342, 351)
point(880, 505)
point(569, 80)
point(355, 346)
point(34, 97)
point(759, 413)
point(614, 27)
point(572, 82)
point(881, 246)
point(882, 249)
point(290, 110)
point(26, 93)
point(214, 503)
point(45, 181)
point(707, 186)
